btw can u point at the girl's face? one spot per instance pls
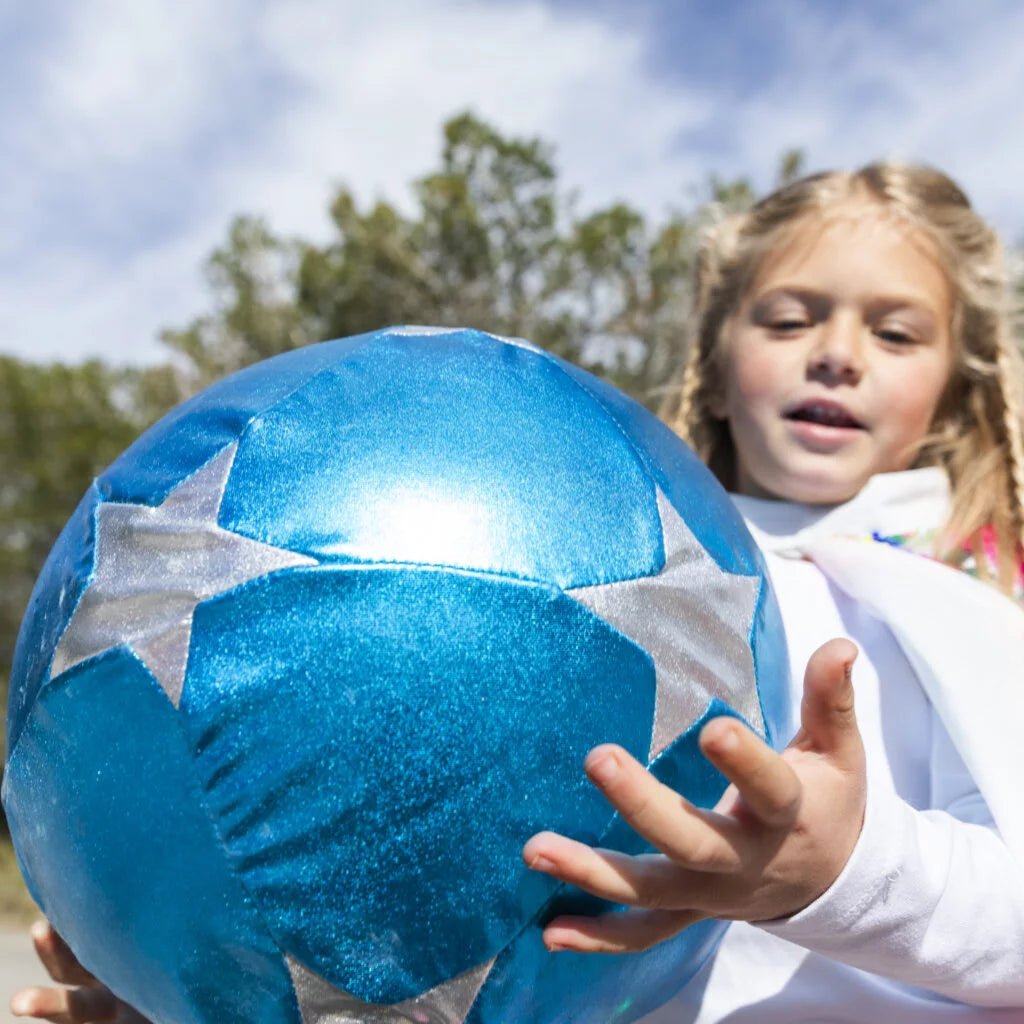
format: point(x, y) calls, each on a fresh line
point(837, 357)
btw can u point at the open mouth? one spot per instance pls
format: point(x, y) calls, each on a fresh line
point(825, 414)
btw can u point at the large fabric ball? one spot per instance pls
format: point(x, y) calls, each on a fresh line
point(318, 654)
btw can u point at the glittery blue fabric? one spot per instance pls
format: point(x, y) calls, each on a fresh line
point(772, 657)
point(455, 479)
point(116, 844)
point(190, 435)
point(635, 985)
point(364, 743)
point(392, 807)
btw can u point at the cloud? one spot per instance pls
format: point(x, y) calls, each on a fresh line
point(941, 84)
point(159, 145)
point(134, 129)
point(377, 109)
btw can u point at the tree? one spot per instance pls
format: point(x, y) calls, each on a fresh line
point(256, 314)
point(493, 243)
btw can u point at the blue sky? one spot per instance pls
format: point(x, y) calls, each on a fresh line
point(133, 130)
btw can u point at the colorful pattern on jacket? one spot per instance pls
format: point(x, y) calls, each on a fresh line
point(922, 542)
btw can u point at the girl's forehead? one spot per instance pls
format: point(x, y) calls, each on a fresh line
point(855, 241)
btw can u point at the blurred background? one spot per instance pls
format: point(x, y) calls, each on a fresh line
point(187, 187)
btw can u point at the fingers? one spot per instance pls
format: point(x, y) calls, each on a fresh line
point(627, 931)
point(686, 834)
point(828, 721)
point(66, 1006)
point(695, 843)
point(61, 964)
point(770, 788)
point(649, 881)
point(63, 1006)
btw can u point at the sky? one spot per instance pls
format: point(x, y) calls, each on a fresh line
point(133, 131)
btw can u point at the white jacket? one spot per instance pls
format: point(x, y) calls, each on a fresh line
point(926, 922)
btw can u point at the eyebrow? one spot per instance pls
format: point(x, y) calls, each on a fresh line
point(816, 302)
point(819, 303)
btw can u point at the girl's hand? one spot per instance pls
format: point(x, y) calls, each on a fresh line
point(777, 839)
point(84, 1001)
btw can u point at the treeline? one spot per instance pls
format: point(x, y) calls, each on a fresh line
point(494, 241)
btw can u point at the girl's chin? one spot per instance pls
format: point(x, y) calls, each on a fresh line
point(804, 488)
point(836, 495)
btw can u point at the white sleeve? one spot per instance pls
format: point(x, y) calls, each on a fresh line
point(932, 898)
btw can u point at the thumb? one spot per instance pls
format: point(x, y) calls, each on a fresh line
point(827, 718)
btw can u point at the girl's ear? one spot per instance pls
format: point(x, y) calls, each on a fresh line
point(716, 403)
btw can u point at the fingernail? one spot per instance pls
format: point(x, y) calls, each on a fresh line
point(39, 930)
point(541, 863)
point(603, 769)
point(719, 738)
point(21, 1006)
point(554, 947)
point(728, 740)
point(850, 663)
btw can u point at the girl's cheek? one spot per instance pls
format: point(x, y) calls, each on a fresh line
point(756, 375)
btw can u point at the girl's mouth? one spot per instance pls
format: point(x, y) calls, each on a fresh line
point(823, 413)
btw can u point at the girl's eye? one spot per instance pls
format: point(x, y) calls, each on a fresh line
point(895, 335)
point(788, 324)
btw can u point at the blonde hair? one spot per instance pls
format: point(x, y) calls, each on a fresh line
point(977, 432)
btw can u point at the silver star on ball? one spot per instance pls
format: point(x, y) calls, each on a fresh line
point(694, 619)
point(447, 1003)
point(153, 565)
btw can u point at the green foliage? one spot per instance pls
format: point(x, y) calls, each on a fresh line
point(256, 315)
point(791, 166)
point(483, 249)
point(493, 242)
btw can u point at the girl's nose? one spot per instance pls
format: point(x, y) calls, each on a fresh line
point(837, 356)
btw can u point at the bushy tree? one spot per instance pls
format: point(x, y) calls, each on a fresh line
point(493, 242)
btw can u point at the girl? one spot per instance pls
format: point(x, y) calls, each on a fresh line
point(851, 356)
point(852, 373)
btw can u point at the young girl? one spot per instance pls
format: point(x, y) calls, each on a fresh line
point(852, 375)
point(853, 380)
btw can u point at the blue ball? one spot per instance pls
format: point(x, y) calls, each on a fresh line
point(319, 653)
